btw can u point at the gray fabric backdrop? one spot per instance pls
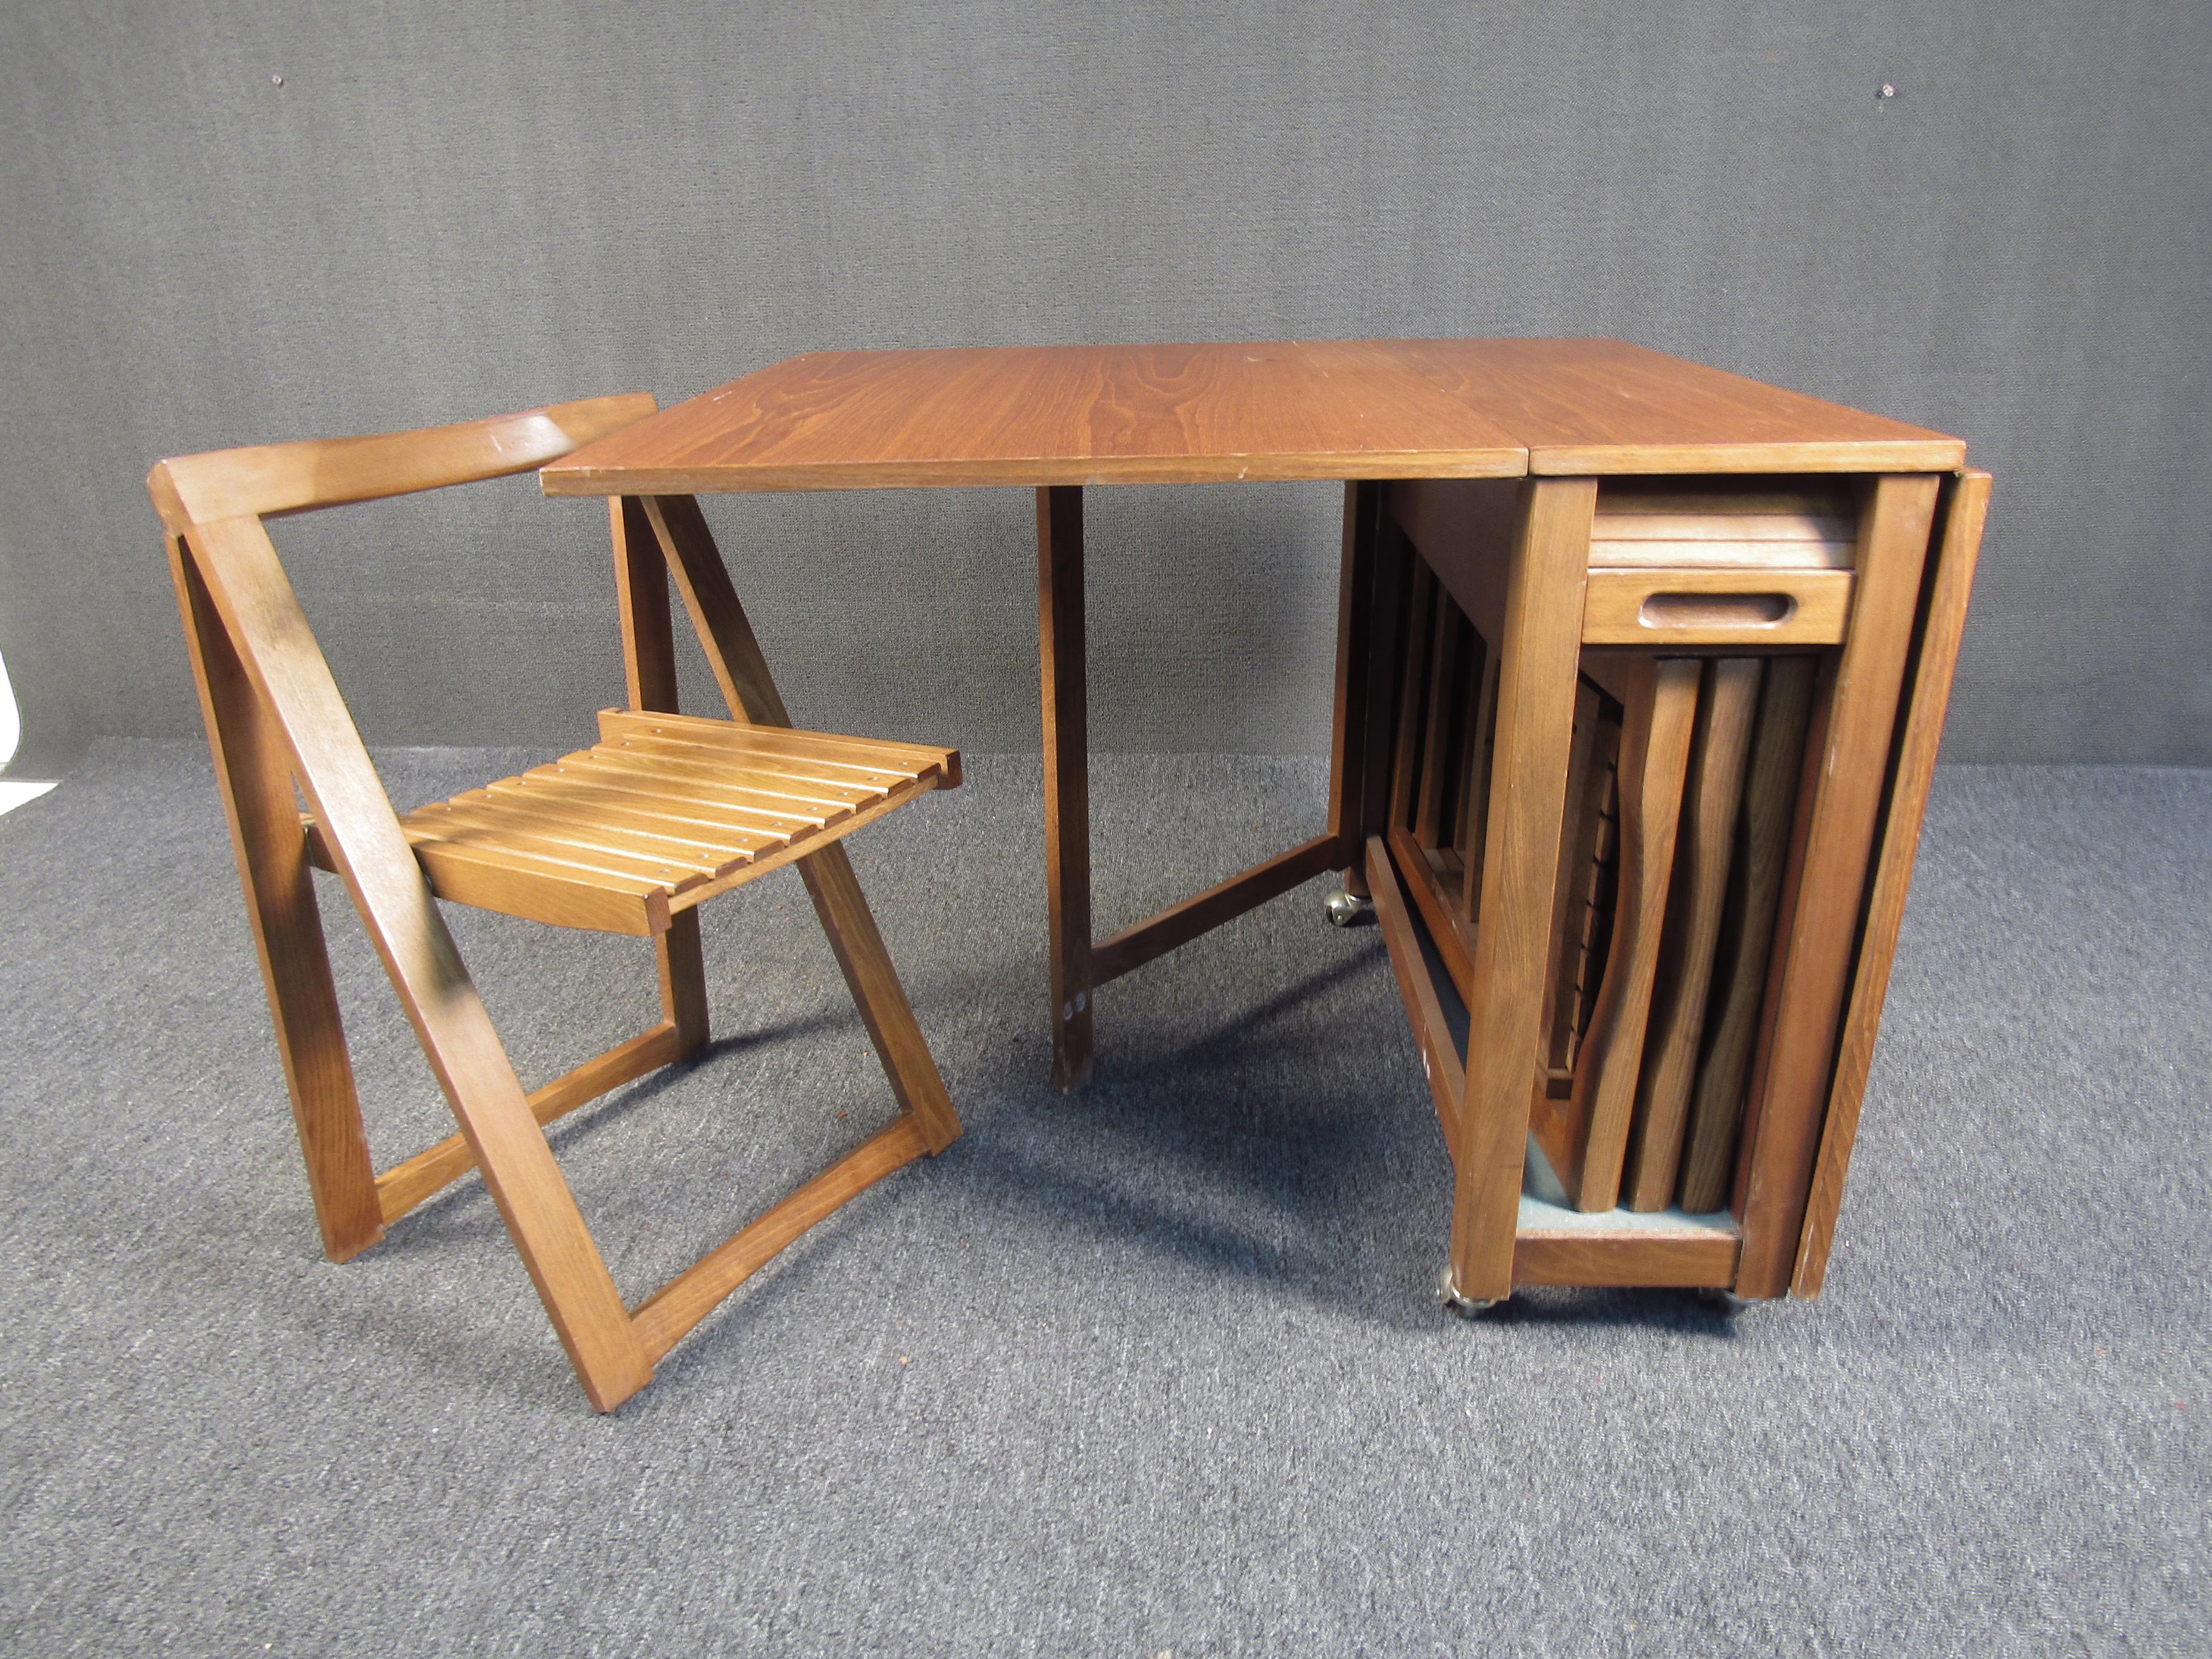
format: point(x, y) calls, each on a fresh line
point(447, 210)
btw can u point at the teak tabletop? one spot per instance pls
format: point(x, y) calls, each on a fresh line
point(1168, 413)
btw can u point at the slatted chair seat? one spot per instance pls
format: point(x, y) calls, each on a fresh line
point(663, 813)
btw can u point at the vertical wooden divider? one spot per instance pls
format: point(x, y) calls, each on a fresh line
point(1540, 646)
point(1067, 778)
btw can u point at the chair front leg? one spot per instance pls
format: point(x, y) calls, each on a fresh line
point(254, 771)
point(915, 1081)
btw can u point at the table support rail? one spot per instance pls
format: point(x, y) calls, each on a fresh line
point(1156, 936)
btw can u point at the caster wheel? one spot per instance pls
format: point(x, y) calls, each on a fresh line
point(1345, 909)
point(1465, 1306)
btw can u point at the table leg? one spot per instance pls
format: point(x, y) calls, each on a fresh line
point(1540, 646)
point(1366, 607)
point(1067, 778)
point(1825, 895)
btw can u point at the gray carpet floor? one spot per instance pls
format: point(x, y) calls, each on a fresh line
point(1154, 1369)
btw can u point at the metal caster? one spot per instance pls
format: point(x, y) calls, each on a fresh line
point(1465, 1306)
point(1347, 909)
point(1724, 1302)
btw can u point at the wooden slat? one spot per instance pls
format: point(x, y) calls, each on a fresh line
point(694, 750)
point(1134, 946)
point(404, 1186)
point(1727, 706)
point(1915, 771)
point(490, 830)
point(839, 774)
point(802, 848)
point(1736, 555)
point(679, 764)
point(642, 812)
point(1440, 1061)
point(609, 767)
point(908, 759)
point(1665, 609)
point(1824, 902)
point(617, 831)
point(1769, 797)
point(619, 792)
point(586, 770)
point(664, 1318)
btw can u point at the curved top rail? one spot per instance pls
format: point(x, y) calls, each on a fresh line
point(265, 480)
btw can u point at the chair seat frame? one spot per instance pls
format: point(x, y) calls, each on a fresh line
point(275, 720)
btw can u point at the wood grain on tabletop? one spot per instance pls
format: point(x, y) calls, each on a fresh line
point(1164, 414)
point(1055, 415)
point(1596, 407)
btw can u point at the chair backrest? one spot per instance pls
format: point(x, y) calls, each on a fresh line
point(266, 481)
point(265, 687)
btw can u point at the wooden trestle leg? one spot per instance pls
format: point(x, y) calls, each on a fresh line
point(1067, 778)
point(1540, 645)
point(1366, 647)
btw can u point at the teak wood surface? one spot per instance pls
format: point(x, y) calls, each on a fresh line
point(1167, 414)
point(1651, 507)
point(668, 809)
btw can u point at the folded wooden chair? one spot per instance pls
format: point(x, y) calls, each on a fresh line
point(627, 836)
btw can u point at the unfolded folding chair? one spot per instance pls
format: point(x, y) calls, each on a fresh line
point(629, 835)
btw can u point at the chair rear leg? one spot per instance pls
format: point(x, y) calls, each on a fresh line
point(912, 1069)
point(683, 982)
point(254, 772)
point(648, 638)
